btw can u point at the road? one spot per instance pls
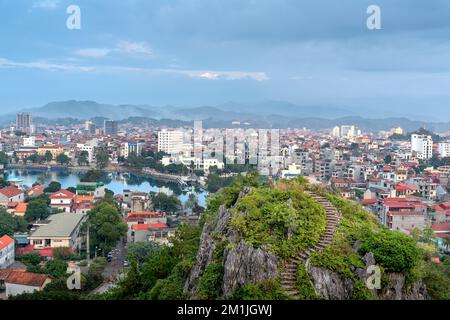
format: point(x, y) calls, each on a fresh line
point(113, 269)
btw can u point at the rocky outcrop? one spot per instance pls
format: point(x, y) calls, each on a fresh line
point(329, 285)
point(244, 264)
point(395, 289)
point(206, 250)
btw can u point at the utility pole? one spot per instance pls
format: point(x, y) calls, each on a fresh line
point(88, 249)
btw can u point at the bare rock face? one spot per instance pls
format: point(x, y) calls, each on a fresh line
point(397, 290)
point(206, 250)
point(244, 264)
point(329, 285)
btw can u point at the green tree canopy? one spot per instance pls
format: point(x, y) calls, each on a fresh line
point(37, 209)
point(53, 186)
point(163, 202)
point(106, 226)
point(63, 159)
point(10, 224)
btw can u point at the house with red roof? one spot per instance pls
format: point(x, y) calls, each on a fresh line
point(402, 214)
point(11, 194)
point(36, 191)
point(62, 200)
point(154, 232)
point(138, 219)
point(17, 281)
point(6, 251)
point(403, 190)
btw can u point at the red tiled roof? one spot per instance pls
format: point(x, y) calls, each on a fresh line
point(368, 201)
point(405, 213)
point(158, 226)
point(140, 226)
point(26, 278)
point(62, 194)
point(12, 204)
point(445, 226)
point(21, 207)
point(10, 191)
point(5, 241)
point(144, 213)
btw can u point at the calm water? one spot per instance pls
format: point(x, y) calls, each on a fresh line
point(115, 182)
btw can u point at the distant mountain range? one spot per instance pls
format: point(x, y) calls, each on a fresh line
point(265, 114)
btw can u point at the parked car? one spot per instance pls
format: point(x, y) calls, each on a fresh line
point(126, 264)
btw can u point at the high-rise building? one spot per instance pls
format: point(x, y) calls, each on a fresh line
point(170, 141)
point(129, 148)
point(422, 145)
point(444, 149)
point(90, 127)
point(110, 127)
point(24, 122)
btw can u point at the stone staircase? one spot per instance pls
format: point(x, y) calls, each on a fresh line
point(289, 274)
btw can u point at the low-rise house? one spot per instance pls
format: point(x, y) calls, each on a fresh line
point(93, 189)
point(62, 200)
point(17, 282)
point(21, 209)
point(61, 230)
point(6, 251)
point(11, 194)
point(83, 204)
point(159, 233)
point(402, 214)
point(36, 191)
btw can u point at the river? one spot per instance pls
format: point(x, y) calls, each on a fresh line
point(116, 182)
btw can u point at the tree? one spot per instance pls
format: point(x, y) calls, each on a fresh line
point(163, 202)
point(63, 159)
point(192, 201)
point(10, 224)
point(141, 250)
point(48, 156)
point(37, 209)
point(35, 158)
point(428, 235)
point(56, 268)
point(83, 158)
point(102, 158)
point(54, 186)
point(92, 176)
point(4, 159)
point(388, 159)
point(106, 225)
point(214, 182)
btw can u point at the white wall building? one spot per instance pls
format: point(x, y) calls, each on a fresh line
point(170, 141)
point(29, 141)
point(444, 149)
point(422, 145)
point(6, 251)
point(89, 149)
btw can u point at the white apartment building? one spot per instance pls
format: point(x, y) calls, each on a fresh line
point(170, 141)
point(444, 149)
point(29, 141)
point(6, 251)
point(422, 145)
point(89, 149)
point(345, 131)
point(128, 148)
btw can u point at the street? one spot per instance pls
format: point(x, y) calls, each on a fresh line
point(113, 269)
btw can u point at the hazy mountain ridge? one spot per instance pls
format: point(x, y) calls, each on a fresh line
point(267, 114)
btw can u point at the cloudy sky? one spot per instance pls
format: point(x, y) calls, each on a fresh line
point(197, 52)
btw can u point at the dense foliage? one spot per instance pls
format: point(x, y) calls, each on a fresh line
point(10, 224)
point(285, 221)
